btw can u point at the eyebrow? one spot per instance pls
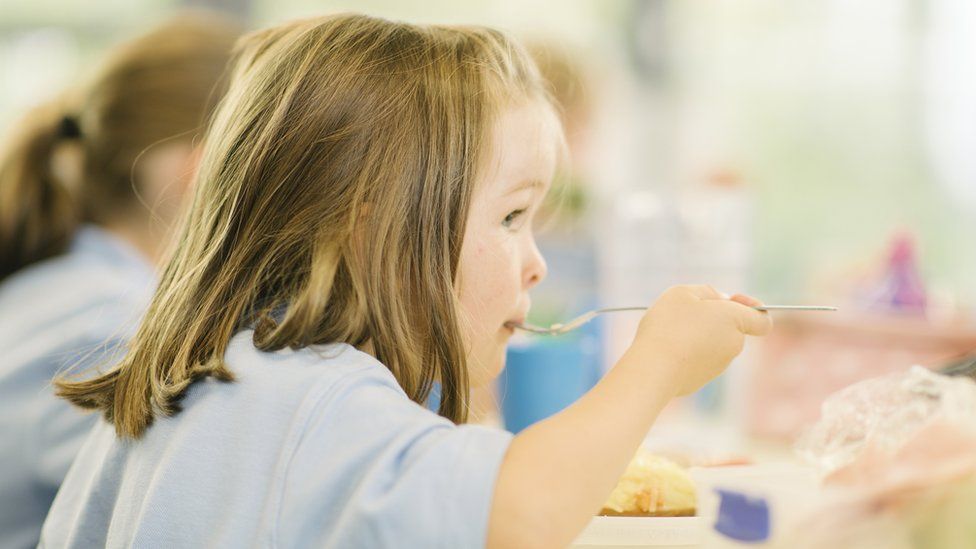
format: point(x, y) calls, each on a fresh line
point(528, 184)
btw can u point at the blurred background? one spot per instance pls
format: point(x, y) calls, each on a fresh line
point(802, 151)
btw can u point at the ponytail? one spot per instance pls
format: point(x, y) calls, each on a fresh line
point(38, 215)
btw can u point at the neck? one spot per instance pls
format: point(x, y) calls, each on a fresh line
point(141, 236)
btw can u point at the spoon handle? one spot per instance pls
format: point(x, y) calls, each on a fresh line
point(795, 308)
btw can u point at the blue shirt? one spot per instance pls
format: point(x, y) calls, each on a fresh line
point(318, 447)
point(68, 312)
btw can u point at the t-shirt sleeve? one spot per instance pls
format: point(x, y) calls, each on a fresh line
point(374, 469)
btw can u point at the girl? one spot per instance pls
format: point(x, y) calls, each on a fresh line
point(362, 228)
point(77, 240)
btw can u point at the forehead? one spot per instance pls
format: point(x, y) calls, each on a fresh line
point(525, 144)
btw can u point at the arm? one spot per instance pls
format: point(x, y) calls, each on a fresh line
point(557, 473)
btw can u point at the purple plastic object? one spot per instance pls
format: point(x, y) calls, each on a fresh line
point(742, 517)
point(902, 288)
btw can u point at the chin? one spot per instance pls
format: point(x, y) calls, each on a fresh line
point(498, 367)
point(492, 369)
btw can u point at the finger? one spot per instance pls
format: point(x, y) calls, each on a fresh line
point(746, 300)
point(704, 291)
point(749, 320)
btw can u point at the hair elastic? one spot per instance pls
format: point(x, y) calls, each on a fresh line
point(68, 128)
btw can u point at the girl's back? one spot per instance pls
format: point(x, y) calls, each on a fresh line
point(304, 467)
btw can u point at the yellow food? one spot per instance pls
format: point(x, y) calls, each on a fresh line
point(652, 486)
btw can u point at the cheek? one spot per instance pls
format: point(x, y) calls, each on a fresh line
point(488, 292)
point(493, 281)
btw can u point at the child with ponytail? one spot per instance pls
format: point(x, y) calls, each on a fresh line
point(89, 186)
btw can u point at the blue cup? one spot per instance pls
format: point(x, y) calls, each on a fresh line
point(546, 374)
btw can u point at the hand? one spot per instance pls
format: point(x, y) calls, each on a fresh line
point(694, 332)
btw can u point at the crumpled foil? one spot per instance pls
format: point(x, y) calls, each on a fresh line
point(884, 413)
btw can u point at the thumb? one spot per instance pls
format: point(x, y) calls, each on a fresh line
point(746, 300)
point(749, 320)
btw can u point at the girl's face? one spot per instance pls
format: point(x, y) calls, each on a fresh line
point(499, 259)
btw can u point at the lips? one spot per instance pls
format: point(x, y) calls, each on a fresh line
point(509, 325)
point(518, 318)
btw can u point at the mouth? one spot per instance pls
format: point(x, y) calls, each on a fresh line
point(521, 311)
point(510, 324)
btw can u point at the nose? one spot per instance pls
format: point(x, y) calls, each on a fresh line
point(534, 267)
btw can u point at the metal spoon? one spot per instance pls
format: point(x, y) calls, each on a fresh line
point(562, 328)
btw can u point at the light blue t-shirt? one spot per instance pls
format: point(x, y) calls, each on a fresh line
point(318, 447)
point(70, 311)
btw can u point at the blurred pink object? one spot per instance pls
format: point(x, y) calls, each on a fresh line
point(808, 357)
point(940, 453)
point(921, 495)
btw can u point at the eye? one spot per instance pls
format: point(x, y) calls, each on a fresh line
point(512, 217)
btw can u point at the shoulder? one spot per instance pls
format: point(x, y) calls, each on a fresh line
point(318, 372)
point(78, 296)
point(331, 388)
point(75, 279)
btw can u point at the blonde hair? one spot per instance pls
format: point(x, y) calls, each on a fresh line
point(161, 85)
point(330, 206)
